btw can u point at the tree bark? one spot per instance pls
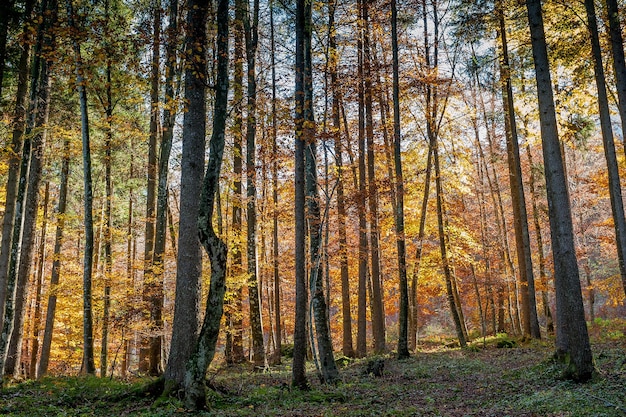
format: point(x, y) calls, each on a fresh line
point(572, 337)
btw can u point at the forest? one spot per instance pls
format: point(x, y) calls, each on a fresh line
point(312, 188)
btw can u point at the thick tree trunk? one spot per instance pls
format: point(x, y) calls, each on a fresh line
point(572, 336)
point(204, 351)
point(189, 260)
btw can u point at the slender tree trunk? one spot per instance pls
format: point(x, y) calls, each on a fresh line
point(377, 307)
point(88, 350)
point(56, 263)
point(347, 346)
point(403, 350)
point(160, 235)
point(543, 276)
point(41, 258)
point(572, 336)
point(275, 252)
point(235, 312)
point(361, 338)
point(252, 40)
point(444, 252)
point(299, 380)
point(204, 351)
point(185, 325)
point(530, 323)
point(328, 368)
point(615, 189)
point(150, 296)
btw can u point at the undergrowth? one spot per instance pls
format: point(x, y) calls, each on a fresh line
point(488, 378)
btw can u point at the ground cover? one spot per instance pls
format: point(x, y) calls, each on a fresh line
point(515, 379)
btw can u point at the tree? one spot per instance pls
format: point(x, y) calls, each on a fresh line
point(204, 350)
point(530, 322)
point(151, 294)
point(403, 350)
point(619, 66)
point(615, 188)
point(303, 19)
point(347, 347)
point(252, 40)
point(189, 260)
point(572, 337)
point(88, 360)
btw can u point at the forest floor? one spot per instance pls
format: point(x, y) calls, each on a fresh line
point(482, 380)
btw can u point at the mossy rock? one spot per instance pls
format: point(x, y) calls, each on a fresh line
point(506, 343)
point(343, 361)
point(287, 350)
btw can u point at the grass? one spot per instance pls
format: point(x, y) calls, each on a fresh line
point(482, 380)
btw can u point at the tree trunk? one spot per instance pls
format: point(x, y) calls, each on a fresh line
point(150, 296)
point(252, 40)
point(6, 12)
point(543, 276)
point(361, 338)
point(160, 235)
point(347, 346)
point(619, 66)
point(189, 260)
point(41, 258)
point(530, 323)
point(615, 189)
point(56, 263)
point(88, 350)
point(235, 310)
point(572, 336)
point(403, 350)
point(299, 380)
point(204, 350)
point(275, 252)
point(377, 307)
